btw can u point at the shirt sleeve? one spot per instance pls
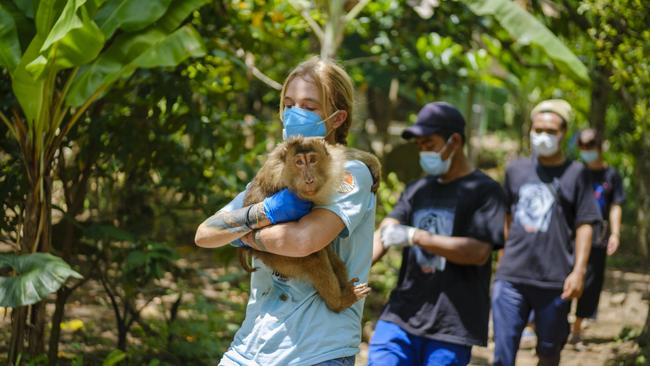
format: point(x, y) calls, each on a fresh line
point(618, 196)
point(236, 203)
point(353, 197)
point(587, 211)
point(488, 220)
point(402, 209)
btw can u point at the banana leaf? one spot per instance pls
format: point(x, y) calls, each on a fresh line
point(526, 29)
point(36, 276)
point(9, 44)
point(73, 40)
point(129, 15)
point(150, 48)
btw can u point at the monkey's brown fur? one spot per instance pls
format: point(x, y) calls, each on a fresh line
point(314, 170)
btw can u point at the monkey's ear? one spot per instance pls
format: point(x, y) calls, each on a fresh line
point(282, 152)
point(324, 146)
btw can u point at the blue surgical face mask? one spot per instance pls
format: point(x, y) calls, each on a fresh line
point(432, 163)
point(302, 122)
point(589, 156)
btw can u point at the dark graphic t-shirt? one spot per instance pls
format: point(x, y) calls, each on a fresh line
point(547, 204)
point(608, 191)
point(435, 298)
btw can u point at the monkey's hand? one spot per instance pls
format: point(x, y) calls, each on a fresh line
point(285, 206)
point(397, 235)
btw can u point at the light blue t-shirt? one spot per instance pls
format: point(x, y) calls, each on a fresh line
point(301, 330)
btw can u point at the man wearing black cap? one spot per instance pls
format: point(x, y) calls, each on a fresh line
point(447, 223)
point(550, 203)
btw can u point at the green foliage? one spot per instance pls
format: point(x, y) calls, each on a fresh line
point(526, 29)
point(115, 357)
point(36, 276)
point(146, 262)
point(387, 195)
point(164, 148)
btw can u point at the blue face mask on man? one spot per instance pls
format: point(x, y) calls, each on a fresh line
point(432, 163)
point(589, 156)
point(302, 122)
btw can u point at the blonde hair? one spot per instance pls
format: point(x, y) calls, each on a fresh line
point(335, 86)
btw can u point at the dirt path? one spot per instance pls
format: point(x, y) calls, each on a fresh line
point(621, 315)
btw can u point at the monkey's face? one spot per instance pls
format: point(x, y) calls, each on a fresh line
point(306, 166)
point(309, 178)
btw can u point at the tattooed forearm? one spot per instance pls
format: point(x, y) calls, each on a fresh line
point(242, 220)
point(259, 245)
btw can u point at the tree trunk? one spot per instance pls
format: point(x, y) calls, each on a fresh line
point(28, 324)
point(55, 333)
point(599, 101)
point(36, 335)
point(643, 194)
point(122, 331)
point(469, 120)
point(18, 329)
point(643, 216)
point(334, 29)
point(645, 335)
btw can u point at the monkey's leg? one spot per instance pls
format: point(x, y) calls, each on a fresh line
point(338, 293)
point(338, 266)
point(322, 276)
point(350, 293)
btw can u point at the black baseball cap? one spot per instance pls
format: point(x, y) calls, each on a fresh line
point(438, 118)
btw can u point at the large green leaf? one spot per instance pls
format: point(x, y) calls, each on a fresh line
point(129, 15)
point(177, 13)
point(74, 40)
point(174, 49)
point(30, 90)
point(37, 275)
point(27, 7)
point(9, 43)
point(27, 89)
point(526, 29)
point(46, 14)
point(150, 48)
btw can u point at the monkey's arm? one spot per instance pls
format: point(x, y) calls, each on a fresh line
point(226, 226)
point(301, 238)
point(378, 249)
point(459, 250)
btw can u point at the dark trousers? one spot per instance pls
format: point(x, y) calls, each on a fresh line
point(511, 306)
point(588, 302)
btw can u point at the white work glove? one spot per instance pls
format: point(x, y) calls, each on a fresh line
point(397, 235)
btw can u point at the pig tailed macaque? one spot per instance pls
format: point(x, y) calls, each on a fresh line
point(314, 170)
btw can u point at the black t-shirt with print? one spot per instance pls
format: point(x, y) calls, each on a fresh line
point(435, 298)
point(547, 204)
point(608, 191)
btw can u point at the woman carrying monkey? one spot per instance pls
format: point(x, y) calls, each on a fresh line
point(286, 322)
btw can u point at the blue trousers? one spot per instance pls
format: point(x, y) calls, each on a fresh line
point(511, 307)
point(393, 346)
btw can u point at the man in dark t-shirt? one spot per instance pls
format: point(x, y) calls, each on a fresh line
point(609, 196)
point(448, 224)
point(550, 201)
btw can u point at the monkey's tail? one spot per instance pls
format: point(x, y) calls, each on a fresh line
point(245, 259)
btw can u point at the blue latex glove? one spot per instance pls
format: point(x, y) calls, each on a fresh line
point(285, 206)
